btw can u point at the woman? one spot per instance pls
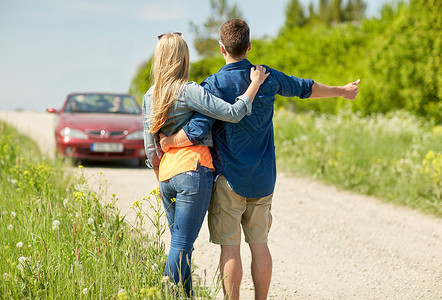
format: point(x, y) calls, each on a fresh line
point(186, 173)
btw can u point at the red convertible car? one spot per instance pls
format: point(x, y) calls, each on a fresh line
point(100, 126)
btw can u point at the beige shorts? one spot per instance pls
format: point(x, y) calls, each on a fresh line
point(228, 210)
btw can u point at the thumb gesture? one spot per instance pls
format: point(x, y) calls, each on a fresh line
point(351, 90)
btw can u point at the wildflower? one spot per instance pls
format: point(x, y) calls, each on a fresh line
point(13, 181)
point(5, 276)
point(65, 202)
point(77, 215)
point(165, 279)
point(20, 267)
point(122, 295)
point(136, 203)
point(13, 214)
point(90, 221)
point(155, 192)
point(56, 225)
point(22, 260)
point(19, 245)
point(155, 266)
point(84, 291)
point(10, 227)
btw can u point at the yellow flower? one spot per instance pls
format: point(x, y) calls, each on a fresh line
point(155, 192)
point(437, 130)
point(136, 204)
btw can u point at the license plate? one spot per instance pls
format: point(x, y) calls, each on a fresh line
point(107, 147)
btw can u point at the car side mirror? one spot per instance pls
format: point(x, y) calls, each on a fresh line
point(52, 110)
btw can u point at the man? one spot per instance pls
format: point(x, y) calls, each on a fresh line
point(244, 157)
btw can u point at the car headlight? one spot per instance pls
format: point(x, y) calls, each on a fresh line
point(136, 135)
point(73, 133)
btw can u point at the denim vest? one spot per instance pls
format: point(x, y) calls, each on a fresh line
point(192, 99)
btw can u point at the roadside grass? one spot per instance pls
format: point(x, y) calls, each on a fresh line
point(396, 157)
point(58, 240)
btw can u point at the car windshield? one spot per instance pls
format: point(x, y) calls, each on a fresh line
point(101, 103)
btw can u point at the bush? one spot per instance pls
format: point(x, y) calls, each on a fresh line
point(396, 157)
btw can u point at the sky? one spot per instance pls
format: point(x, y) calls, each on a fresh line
point(50, 48)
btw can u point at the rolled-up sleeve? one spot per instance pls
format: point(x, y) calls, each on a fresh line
point(200, 100)
point(291, 86)
point(198, 128)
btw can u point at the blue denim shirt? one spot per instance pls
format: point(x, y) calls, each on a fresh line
point(245, 152)
point(192, 99)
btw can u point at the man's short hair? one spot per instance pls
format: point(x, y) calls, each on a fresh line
point(235, 36)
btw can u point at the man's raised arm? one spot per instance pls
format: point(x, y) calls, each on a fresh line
point(348, 91)
point(192, 133)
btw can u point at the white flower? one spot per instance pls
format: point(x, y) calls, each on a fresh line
point(55, 225)
point(13, 214)
point(10, 227)
point(165, 279)
point(65, 202)
point(121, 291)
point(5, 276)
point(19, 245)
point(20, 267)
point(90, 221)
point(13, 181)
point(84, 291)
point(77, 215)
point(22, 260)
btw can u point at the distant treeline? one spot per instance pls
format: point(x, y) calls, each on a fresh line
point(397, 55)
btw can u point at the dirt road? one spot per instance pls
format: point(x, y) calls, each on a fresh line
point(325, 243)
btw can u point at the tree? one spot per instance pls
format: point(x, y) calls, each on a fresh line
point(294, 15)
point(336, 11)
point(206, 38)
point(324, 14)
point(354, 10)
point(141, 81)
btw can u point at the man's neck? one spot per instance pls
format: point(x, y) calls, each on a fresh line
point(229, 59)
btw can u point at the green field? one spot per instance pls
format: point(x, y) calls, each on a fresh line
point(57, 237)
point(396, 157)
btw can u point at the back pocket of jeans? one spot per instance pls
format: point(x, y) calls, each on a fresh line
point(188, 183)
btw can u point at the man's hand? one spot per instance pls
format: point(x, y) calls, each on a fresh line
point(178, 139)
point(351, 90)
point(165, 142)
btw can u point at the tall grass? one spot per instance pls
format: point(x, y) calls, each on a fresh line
point(58, 240)
point(396, 157)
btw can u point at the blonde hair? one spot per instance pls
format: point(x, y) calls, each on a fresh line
point(170, 70)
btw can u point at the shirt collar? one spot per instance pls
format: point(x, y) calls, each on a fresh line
point(236, 65)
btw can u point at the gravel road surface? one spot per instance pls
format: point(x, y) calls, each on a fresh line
point(325, 243)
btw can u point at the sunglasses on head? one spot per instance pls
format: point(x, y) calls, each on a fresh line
point(161, 35)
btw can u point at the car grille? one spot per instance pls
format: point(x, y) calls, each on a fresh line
point(99, 133)
point(88, 152)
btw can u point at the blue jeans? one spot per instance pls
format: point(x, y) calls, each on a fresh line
point(192, 191)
